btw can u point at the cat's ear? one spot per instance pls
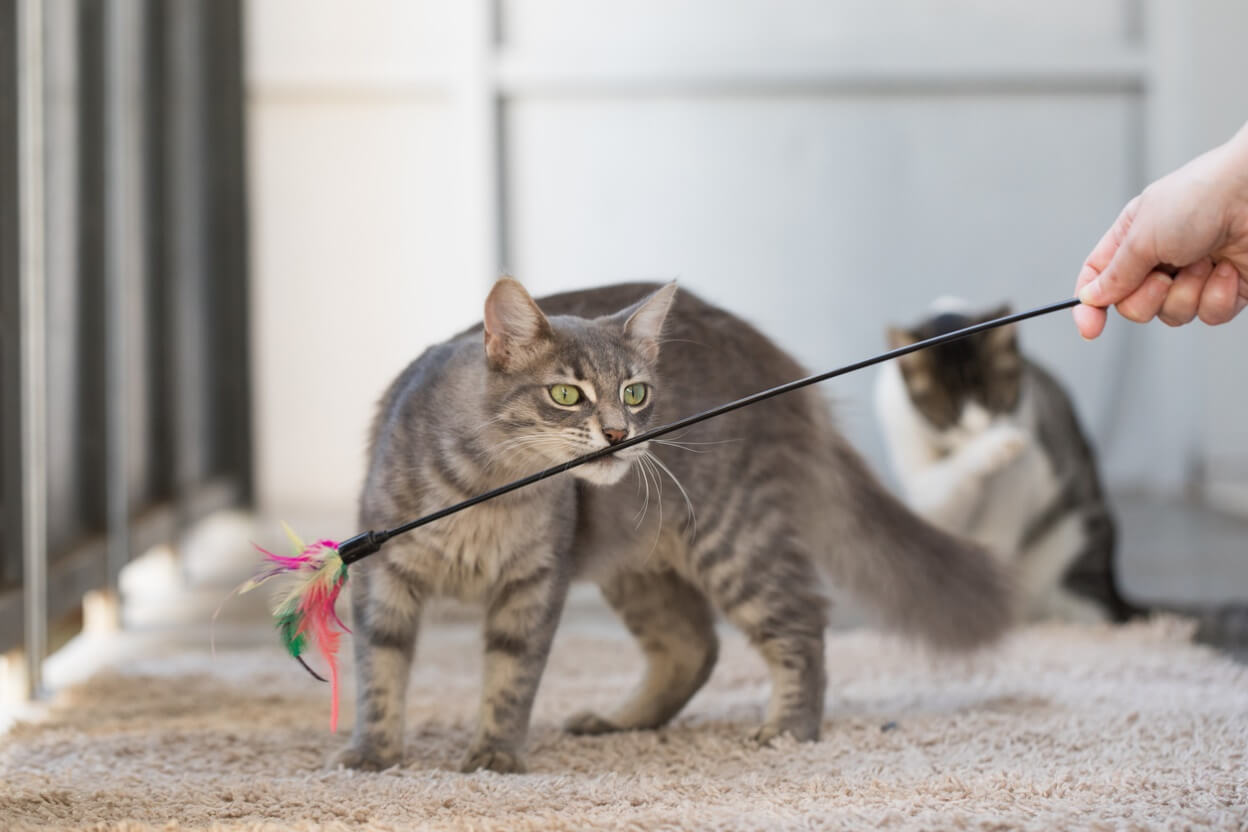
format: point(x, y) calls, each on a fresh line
point(898, 338)
point(514, 327)
point(911, 362)
point(644, 321)
point(1002, 338)
point(999, 312)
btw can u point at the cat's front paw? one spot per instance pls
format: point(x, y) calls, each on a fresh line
point(500, 760)
point(363, 758)
point(588, 723)
point(998, 446)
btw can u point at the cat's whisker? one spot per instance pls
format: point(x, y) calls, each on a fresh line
point(693, 517)
point(658, 499)
point(663, 341)
point(670, 444)
point(497, 453)
point(682, 446)
point(481, 429)
point(640, 516)
point(531, 437)
point(677, 437)
point(500, 417)
point(658, 483)
point(505, 451)
point(645, 506)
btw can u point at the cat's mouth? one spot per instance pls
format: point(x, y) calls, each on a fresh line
point(609, 469)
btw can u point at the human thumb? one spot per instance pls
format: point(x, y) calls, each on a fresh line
point(1128, 268)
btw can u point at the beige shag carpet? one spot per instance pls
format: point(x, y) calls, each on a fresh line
point(1058, 729)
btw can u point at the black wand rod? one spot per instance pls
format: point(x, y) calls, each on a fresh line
point(366, 543)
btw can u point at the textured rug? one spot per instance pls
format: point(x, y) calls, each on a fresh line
point(1058, 728)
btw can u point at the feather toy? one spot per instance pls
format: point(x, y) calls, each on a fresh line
point(305, 613)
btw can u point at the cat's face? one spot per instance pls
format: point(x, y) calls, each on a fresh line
point(564, 386)
point(966, 383)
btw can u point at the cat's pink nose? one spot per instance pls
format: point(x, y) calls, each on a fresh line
point(614, 435)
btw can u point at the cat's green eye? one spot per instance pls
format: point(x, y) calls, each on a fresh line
point(565, 394)
point(634, 394)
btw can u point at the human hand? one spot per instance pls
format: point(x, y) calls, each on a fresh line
point(1178, 250)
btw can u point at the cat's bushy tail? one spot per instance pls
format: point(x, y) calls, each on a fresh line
point(947, 592)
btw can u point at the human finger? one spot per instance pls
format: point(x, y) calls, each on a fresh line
point(1220, 301)
point(1103, 252)
point(1143, 304)
point(1183, 300)
point(1133, 262)
point(1090, 320)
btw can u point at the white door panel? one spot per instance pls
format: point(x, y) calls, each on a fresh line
point(822, 219)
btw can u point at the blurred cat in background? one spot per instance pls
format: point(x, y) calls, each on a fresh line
point(987, 445)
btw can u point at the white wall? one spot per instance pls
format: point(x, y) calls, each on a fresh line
point(356, 258)
point(1199, 97)
point(822, 168)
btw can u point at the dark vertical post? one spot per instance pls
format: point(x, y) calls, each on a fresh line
point(184, 209)
point(124, 376)
point(227, 228)
point(88, 295)
point(158, 364)
point(10, 317)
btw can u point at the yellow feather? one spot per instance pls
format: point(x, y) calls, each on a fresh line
point(294, 538)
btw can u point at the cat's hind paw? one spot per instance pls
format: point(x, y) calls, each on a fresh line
point(498, 760)
point(801, 727)
point(588, 723)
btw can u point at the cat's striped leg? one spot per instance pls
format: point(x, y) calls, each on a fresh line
point(386, 601)
point(520, 624)
point(769, 589)
point(673, 622)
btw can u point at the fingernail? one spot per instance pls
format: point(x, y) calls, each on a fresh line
point(1089, 293)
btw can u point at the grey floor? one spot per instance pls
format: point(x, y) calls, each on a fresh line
point(1181, 554)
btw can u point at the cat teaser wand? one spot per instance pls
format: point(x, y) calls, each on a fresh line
point(305, 612)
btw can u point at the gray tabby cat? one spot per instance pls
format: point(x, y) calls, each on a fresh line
point(762, 506)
